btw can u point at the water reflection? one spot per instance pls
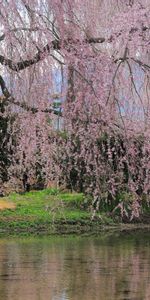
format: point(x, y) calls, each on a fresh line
point(115, 267)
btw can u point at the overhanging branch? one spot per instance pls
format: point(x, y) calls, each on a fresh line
point(57, 45)
point(8, 98)
point(2, 37)
point(54, 45)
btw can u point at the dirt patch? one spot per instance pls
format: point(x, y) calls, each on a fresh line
point(6, 205)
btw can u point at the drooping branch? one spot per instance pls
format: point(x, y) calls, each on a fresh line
point(135, 88)
point(26, 63)
point(55, 45)
point(8, 98)
point(2, 37)
point(34, 110)
point(113, 80)
point(4, 88)
point(141, 64)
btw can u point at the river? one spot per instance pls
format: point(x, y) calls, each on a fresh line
point(112, 266)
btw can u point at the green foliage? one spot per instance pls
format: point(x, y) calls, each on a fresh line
point(124, 196)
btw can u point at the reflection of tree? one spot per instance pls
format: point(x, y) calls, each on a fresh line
point(75, 268)
point(105, 271)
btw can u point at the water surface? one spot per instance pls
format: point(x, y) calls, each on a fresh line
point(104, 267)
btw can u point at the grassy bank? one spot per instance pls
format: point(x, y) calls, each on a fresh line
point(49, 211)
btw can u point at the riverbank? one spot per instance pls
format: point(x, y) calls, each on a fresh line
point(52, 212)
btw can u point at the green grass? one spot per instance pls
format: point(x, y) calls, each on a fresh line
point(47, 210)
